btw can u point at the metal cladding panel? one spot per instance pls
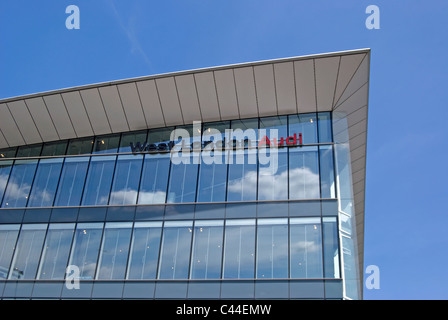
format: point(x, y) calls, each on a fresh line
point(114, 109)
point(305, 86)
point(285, 88)
point(326, 74)
point(349, 65)
point(208, 99)
point(132, 106)
point(188, 98)
point(21, 115)
point(169, 101)
point(151, 103)
point(42, 119)
point(60, 117)
point(225, 88)
point(95, 111)
point(3, 142)
point(265, 84)
point(77, 112)
point(360, 78)
point(245, 90)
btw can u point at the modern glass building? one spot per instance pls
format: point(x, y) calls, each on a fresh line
point(265, 200)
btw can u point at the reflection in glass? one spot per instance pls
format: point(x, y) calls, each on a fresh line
point(85, 248)
point(207, 249)
point(239, 249)
point(27, 253)
point(56, 251)
point(175, 250)
point(327, 182)
point(131, 137)
point(126, 180)
point(305, 248)
point(273, 176)
point(8, 238)
point(57, 148)
point(8, 153)
point(325, 127)
point(159, 135)
point(212, 177)
point(45, 182)
point(183, 180)
point(272, 249)
point(114, 250)
point(5, 169)
point(245, 129)
point(29, 151)
point(80, 146)
point(106, 144)
point(242, 179)
point(306, 124)
point(72, 180)
point(144, 250)
point(331, 247)
point(154, 178)
point(303, 173)
point(99, 179)
point(19, 184)
point(275, 128)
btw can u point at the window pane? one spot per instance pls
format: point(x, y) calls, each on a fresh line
point(274, 128)
point(175, 252)
point(331, 248)
point(154, 178)
point(159, 135)
point(239, 249)
point(325, 127)
point(272, 249)
point(242, 179)
point(207, 249)
point(126, 180)
point(80, 146)
point(56, 251)
point(306, 248)
point(8, 238)
point(29, 151)
point(54, 148)
point(249, 130)
point(303, 173)
point(131, 137)
point(99, 179)
point(210, 131)
point(306, 124)
point(8, 153)
point(27, 253)
point(183, 180)
point(5, 169)
point(106, 144)
point(144, 250)
point(45, 183)
point(327, 182)
point(212, 177)
point(19, 184)
point(84, 253)
point(114, 250)
point(72, 181)
point(273, 176)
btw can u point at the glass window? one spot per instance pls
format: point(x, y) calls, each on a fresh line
point(27, 253)
point(5, 169)
point(131, 137)
point(80, 146)
point(144, 250)
point(331, 247)
point(8, 238)
point(242, 178)
point(212, 177)
point(306, 124)
point(8, 153)
point(303, 173)
point(305, 245)
point(72, 181)
point(45, 182)
point(274, 128)
point(99, 179)
point(207, 249)
point(159, 135)
point(272, 249)
point(154, 179)
point(246, 129)
point(273, 175)
point(175, 250)
point(239, 249)
point(126, 180)
point(114, 250)
point(29, 151)
point(86, 245)
point(106, 144)
point(327, 182)
point(325, 127)
point(54, 148)
point(19, 184)
point(56, 251)
point(183, 180)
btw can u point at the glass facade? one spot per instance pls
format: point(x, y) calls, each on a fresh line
point(250, 221)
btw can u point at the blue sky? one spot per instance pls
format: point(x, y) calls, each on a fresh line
point(406, 189)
